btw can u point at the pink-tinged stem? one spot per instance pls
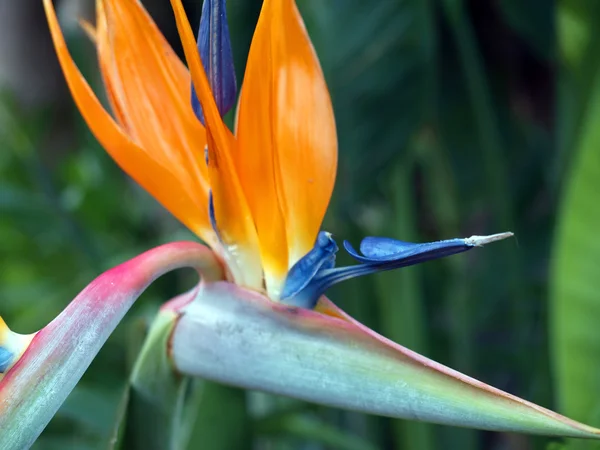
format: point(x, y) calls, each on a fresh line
point(35, 387)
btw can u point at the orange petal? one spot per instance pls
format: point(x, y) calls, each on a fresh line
point(233, 215)
point(286, 123)
point(151, 87)
point(257, 163)
point(107, 67)
point(157, 178)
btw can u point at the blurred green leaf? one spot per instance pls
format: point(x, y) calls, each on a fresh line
point(117, 433)
point(21, 204)
point(309, 429)
point(578, 43)
point(377, 58)
point(159, 416)
point(89, 408)
point(533, 20)
point(457, 299)
point(222, 422)
point(556, 446)
point(575, 282)
point(65, 443)
point(485, 114)
point(134, 344)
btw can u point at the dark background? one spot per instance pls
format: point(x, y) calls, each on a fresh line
point(454, 118)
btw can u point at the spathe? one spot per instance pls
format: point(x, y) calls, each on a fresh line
point(238, 337)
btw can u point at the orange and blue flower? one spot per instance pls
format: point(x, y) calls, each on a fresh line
point(258, 195)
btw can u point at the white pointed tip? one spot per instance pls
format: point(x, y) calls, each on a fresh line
point(480, 241)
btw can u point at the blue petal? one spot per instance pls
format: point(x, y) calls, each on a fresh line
point(214, 45)
point(376, 250)
point(321, 257)
point(382, 247)
point(211, 216)
point(380, 254)
point(6, 358)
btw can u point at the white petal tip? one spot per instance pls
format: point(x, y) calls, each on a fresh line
point(480, 241)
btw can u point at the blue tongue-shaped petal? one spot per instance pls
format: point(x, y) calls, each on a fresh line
point(386, 250)
point(321, 257)
point(307, 282)
point(214, 45)
point(378, 248)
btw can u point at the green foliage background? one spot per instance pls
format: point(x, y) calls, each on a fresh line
point(454, 118)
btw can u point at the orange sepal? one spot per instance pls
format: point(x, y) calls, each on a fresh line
point(257, 163)
point(233, 217)
point(157, 178)
point(286, 85)
point(151, 87)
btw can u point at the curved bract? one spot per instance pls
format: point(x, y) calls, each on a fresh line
point(238, 337)
point(34, 388)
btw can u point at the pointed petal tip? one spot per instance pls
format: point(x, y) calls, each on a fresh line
point(214, 46)
point(480, 241)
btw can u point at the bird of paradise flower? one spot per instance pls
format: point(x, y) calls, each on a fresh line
point(257, 196)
